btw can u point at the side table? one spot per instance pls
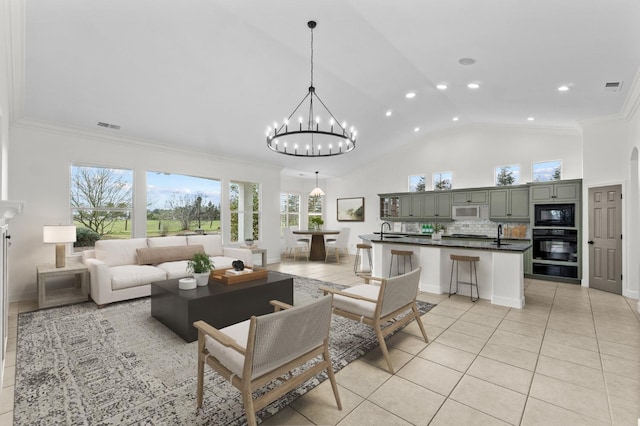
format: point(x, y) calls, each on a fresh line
point(49, 296)
point(261, 251)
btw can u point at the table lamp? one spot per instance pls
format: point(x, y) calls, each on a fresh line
point(59, 235)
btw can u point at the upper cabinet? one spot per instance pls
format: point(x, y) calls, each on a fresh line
point(561, 191)
point(459, 198)
point(509, 204)
point(437, 205)
point(389, 206)
point(412, 205)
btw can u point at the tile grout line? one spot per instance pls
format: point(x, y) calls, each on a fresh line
point(604, 377)
point(535, 367)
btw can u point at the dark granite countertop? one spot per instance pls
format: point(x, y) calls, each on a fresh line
point(510, 244)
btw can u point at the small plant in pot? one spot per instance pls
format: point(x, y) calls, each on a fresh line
point(200, 265)
point(438, 230)
point(316, 222)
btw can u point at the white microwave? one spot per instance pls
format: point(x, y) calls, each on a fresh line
point(479, 211)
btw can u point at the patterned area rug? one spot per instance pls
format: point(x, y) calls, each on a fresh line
point(78, 365)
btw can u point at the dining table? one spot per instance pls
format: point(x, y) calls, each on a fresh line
point(318, 251)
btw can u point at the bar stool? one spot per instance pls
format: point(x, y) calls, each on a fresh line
point(404, 254)
point(455, 261)
point(356, 265)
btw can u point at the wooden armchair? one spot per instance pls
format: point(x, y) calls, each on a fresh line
point(377, 305)
point(253, 353)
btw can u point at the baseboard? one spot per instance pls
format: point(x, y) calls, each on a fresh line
point(431, 288)
point(509, 302)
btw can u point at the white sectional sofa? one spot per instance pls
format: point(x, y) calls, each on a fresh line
point(124, 269)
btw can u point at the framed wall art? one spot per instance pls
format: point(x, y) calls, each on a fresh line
point(350, 209)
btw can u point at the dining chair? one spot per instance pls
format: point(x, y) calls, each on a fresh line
point(293, 246)
point(262, 353)
point(381, 305)
point(341, 244)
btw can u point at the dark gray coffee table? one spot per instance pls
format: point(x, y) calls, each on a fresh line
point(218, 304)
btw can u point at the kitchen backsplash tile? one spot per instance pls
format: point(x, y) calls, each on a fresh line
point(476, 227)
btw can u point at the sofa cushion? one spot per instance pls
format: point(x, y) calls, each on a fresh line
point(174, 240)
point(134, 275)
point(176, 269)
point(212, 243)
point(222, 262)
point(156, 255)
point(119, 252)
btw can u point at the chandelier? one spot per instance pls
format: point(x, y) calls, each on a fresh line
point(314, 135)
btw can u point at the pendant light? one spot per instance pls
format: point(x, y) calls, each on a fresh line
point(316, 191)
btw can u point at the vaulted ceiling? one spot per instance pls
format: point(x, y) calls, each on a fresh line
point(211, 75)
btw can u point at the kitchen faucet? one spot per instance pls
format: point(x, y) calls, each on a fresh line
point(382, 229)
point(499, 233)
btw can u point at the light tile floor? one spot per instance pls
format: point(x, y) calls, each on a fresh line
point(570, 357)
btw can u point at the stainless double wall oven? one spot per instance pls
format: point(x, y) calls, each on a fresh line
point(555, 240)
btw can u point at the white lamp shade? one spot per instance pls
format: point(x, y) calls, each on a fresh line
point(316, 192)
point(58, 234)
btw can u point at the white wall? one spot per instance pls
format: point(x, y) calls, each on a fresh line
point(471, 153)
point(39, 173)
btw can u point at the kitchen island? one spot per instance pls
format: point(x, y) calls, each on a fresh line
point(500, 269)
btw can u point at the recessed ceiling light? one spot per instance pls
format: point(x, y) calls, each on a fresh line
point(563, 88)
point(410, 95)
point(473, 85)
point(455, 119)
point(466, 61)
point(417, 129)
point(530, 118)
point(441, 87)
point(388, 113)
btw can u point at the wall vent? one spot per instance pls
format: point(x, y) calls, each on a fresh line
point(613, 86)
point(108, 125)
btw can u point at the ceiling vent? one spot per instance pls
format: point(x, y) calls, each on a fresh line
point(613, 86)
point(108, 126)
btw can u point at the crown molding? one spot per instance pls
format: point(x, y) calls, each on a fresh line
point(14, 28)
point(146, 144)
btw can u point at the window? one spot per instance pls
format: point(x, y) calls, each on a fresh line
point(417, 183)
point(244, 208)
point(289, 211)
point(315, 205)
point(442, 180)
point(507, 175)
point(178, 203)
point(101, 203)
point(547, 170)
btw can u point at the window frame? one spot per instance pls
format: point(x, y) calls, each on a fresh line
point(129, 210)
point(440, 174)
point(417, 185)
point(285, 223)
point(517, 173)
point(559, 166)
point(242, 236)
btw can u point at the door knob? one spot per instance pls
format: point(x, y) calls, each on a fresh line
point(589, 242)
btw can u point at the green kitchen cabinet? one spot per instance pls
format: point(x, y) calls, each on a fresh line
point(459, 198)
point(556, 192)
point(437, 205)
point(509, 204)
point(411, 205)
